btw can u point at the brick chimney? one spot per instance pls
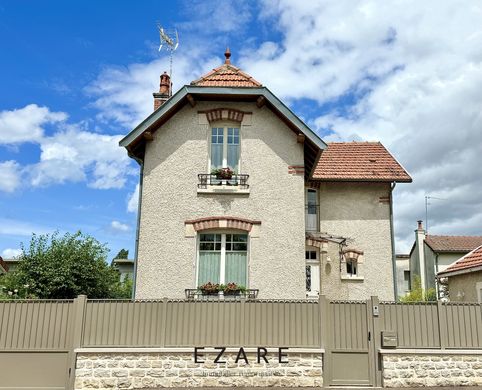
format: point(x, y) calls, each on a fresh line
point(164, 91)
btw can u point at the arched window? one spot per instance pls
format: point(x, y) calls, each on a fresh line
point(351, 261)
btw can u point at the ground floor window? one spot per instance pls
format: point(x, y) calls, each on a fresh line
point(223, 258)
point(312, 270)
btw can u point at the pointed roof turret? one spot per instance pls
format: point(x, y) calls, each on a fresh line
point(227, 75)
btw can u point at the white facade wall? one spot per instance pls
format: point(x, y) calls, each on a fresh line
point(179, 152)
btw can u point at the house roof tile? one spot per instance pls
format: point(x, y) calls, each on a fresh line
point(471, 260)
point(359, 161)
point(453, 243)
point(226, 75)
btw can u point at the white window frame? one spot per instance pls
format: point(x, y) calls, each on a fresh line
point(222, 266)
point(225, 126)
point(312, 222)
point(313, 263)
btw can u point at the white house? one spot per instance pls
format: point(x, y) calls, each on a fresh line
point(293, 216)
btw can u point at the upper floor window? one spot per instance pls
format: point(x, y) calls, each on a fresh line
point(225, 148)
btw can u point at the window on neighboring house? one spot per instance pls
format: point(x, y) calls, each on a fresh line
point(225, 148)
point(406, 281)
point(223, 258)
point(351, 267)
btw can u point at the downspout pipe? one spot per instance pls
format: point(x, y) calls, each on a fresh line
point(136, 252)
point(392, 235)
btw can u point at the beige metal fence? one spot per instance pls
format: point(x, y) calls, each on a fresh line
point(49, 325)
point(187, 323)
point(434, 325)
point(39, 337)
point(35, 325)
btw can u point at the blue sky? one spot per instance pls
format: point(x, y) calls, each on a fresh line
point(76, 76)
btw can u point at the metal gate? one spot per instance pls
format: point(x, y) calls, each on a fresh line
point(350, 354)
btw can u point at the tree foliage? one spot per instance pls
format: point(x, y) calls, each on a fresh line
point(123, 254)
point(62, 267)
point(418, 294)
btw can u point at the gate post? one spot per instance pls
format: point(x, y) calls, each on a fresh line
point(325, 335)
point(375, 310)
point(77, 329)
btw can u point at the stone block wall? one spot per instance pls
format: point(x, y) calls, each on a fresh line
point(153, 370)
point(404, 370)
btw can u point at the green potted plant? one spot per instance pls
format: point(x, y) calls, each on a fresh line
point(209, 288)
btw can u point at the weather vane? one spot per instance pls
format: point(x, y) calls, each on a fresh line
point(170, 41)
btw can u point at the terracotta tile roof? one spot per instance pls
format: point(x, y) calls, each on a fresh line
point(226, 75)
point(470, 260)
point(359, 161)
point(453, 243)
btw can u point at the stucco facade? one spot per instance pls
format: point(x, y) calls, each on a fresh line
point(178, 153)
point(301, 192)
point(466, 287)
point(359, 212)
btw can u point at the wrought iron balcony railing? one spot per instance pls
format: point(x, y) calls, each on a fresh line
point(195, 294)
point(207, 180)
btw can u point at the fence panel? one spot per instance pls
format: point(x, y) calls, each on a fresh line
point(189, 323)
point(462, 324)
point(416, 324)
point(35, 325)
point(123, 323)
point(251, 323)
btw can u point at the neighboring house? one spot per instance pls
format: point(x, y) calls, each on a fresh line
point(298, 217)
point(465, 277)
point(3, 266)
point(403, 274)
point(11, 264)
point(432, 254)
point(125, 267)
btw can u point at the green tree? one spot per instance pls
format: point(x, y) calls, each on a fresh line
point(56, 267)
point(418, 294)
point(123, 254)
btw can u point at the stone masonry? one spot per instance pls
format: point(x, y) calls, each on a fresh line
point(402, 370)
point(154, 370)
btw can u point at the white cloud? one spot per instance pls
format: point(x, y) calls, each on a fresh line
point(10, 253)
point(9, 176)
point(124, 94)
point(133, 201)
point(72, 155)
point(26, 124)
point(413, 71)
point(117, 226)
point(77, 155)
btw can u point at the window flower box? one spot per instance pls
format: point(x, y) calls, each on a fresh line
point(227, 289)
point(210, 289)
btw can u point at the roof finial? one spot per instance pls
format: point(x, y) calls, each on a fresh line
point(227, 54)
